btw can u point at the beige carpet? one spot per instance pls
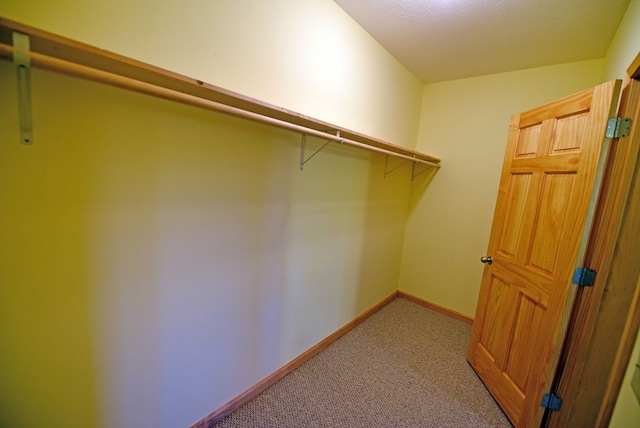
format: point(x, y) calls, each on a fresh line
point(403, 367)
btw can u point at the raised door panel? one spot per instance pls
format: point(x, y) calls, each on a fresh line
point(552, 213)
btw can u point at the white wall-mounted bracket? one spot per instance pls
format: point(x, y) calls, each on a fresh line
point(386, 166)
point(303, 144)
point(22, 60)
point(414, 174)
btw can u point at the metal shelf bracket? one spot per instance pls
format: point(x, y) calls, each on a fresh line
point(386, 165)
point(303, 144)
point(414, 174)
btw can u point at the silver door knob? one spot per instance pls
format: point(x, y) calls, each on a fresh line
point(488, 260)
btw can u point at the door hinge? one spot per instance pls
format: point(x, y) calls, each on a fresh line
point(584, 276)
point(618, 127)
point(551, 401)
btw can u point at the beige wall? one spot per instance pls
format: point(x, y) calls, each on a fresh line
point(158, 260)
point(465, 122)
point(625, 47)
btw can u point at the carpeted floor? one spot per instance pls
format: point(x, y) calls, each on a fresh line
point(403, 367)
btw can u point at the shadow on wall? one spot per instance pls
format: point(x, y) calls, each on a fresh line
point(189, 268)
point(389, 202)
point(419, 186)
point(326, 233)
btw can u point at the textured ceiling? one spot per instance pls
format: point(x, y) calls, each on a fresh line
point(441, 40)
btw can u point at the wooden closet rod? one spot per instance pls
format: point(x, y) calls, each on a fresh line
point(114, 62)
point(76, 70)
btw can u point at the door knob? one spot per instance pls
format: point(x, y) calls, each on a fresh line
point(488, 260)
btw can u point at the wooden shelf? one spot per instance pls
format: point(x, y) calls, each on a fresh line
point(74, 55)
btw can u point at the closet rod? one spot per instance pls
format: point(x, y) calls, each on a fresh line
point(60, 66)
point(74, 52)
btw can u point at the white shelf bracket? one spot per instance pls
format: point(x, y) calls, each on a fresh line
point(386, 165)
point(414, 174)
point(303, 147)
point(22, 60)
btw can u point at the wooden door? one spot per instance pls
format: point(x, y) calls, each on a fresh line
point(595, 357)
point(545, 201)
